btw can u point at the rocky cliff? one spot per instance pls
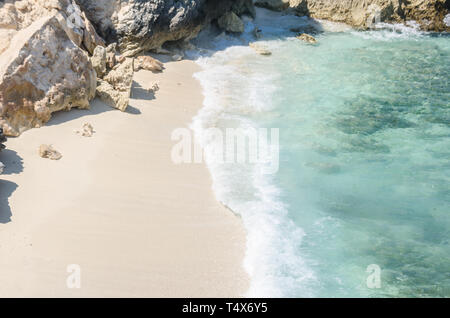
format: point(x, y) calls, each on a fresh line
point(430, 14)
point(43, 64)
point(48, 49)
point(139, 25)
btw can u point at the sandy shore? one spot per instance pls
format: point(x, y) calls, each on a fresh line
point(116, 205)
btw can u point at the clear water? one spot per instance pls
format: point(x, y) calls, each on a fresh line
point(364, 177)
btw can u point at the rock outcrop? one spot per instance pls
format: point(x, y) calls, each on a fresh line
point(115, 76)
point(430, 14)
point(231, 22)
point(45, 48)
point(44, 66)
point(41, 72)
point(18, 15)
point(2, 140)
point(142, 25)
point(148, 63)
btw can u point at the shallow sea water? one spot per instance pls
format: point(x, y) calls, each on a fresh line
point(364, 178)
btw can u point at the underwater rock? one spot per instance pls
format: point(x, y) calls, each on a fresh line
point(307, 38)
point(260, 50)
point(154, 88)
point(326, 168)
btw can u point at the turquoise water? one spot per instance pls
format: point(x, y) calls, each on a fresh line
point(364, 178)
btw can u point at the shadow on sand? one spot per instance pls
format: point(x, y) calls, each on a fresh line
point(13, 165)
point(12, 161)
point(138, 92)
point(6, 189)
point(97, 107)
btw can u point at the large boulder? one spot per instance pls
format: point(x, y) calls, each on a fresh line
point(231, 22)
point(430, 14)
point(18, 15)
point(44, 66)
point(142, 25)
point(41, 72)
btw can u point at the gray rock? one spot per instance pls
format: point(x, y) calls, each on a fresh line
point(142, 25)
point(231, 22)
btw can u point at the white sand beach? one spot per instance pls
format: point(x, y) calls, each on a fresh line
point(115, 204)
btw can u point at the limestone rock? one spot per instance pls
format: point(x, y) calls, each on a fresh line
point(111, 51)
point(86, 131)
point(115, 88)
point(121, 77)
point(90, 37)
point(154, 88)
point(144, 25)
point(98, 61)
point(360, 14)
point(41, 72)
point(148, 63)
point(231, 22)
point(111, 96)
point(430, 14)
point(307, 38)
point(48, 152)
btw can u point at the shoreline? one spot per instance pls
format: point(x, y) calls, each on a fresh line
point(136, 224)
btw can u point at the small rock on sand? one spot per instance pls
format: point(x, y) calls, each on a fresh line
point(148, 63)
point(86, 131)
point(154, 87)
point(47, 151)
